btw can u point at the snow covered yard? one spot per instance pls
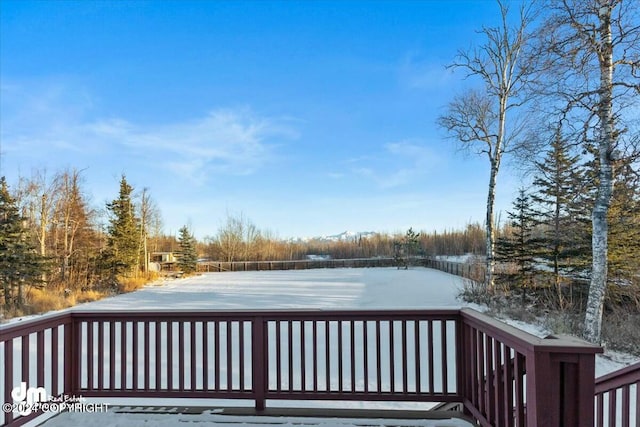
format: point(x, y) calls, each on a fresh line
point(380, 288)
point(342, 288)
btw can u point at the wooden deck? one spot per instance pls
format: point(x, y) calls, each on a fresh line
point(499, 375)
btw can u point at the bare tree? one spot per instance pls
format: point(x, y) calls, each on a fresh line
point(251, 238)
point(72, 215)
point(37, 199)
point(591, 51)
point(58, 216)
point(150, 222)
point(231, 237)
point(481, 119)
point(238, 239)
point(156, 230)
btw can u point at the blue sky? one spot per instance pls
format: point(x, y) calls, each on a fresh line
point(308, 117)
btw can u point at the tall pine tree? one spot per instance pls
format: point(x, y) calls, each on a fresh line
point(187, 254)
point(559, 191)
point(20, 263)
point(522, 247)
point(123, 238)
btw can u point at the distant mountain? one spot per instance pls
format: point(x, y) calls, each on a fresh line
point(348, 236)
point(345, 236)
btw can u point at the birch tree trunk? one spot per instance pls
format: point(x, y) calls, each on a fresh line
point(598, 285)
point(490, 228)
point(44, 222)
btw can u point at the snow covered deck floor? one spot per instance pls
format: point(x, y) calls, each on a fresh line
point(169, 416)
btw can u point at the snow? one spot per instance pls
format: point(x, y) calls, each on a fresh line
point(375, 288)
point(462, 259)
point(342, 288)
point(210, 418)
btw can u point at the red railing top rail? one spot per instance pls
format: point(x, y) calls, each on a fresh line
point(524, 341)
point(28, 326)
point(24, 327)
point(619, 378)
point(286, 314)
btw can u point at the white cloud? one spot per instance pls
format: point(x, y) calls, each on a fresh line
point(223, 141)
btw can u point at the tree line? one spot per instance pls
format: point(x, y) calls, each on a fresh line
point(55, 244)
point(51, 237)
point(239, 239)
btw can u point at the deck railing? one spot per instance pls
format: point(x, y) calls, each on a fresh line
point(502, 376)
point(618, 390)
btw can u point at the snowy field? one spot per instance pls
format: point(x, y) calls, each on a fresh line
point(380, 288)
point(342, 288)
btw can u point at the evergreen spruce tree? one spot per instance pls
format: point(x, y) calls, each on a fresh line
point(522, 247)
point(559, 191)
point(20, 263)
point(624, 226)
point(123, 238)
point(187, 254)
point(406, 248)
point(411, 242)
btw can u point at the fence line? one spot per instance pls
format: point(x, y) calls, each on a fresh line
point(220, 266)
point(472, 271)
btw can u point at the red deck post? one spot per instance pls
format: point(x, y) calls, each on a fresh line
point(543, 398)
point(258, 357)
point(71, 357)
point(560, 384)
point(8, 378)
point(581, 375)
